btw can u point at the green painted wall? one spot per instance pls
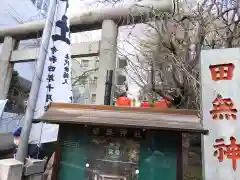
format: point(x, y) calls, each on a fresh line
point(73, 154)
point(157, 155)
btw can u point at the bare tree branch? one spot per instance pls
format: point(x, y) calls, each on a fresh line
point(83, 76)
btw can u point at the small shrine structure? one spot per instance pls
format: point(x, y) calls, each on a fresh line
point(119, 143)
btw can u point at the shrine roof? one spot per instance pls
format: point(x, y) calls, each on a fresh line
point(148, 118)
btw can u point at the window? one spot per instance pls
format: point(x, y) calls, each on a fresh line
point(94, 80)
point(85, 82)
point(121, 79)
point(97, 59)
point(85, 63)
point(86, 100)
point(122, 63)
point(94, 98)
point(97, 62)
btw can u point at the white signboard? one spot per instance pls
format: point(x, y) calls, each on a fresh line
point(220, 72)
point(56, 80)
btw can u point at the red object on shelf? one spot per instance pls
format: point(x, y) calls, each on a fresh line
point(123, 101)
point(145, 104)
point(161, 104)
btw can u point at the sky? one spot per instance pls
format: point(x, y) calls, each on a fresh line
point(13, 12)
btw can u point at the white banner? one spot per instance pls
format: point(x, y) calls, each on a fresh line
point(56, 80)
point(220, 109)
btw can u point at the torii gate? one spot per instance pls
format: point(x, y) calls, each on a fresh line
point(106, 19)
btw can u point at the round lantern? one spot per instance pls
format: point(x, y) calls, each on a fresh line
point(123, 101)
point(161, 104)
point(145, 104)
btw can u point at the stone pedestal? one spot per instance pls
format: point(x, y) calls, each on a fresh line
point(33, 177)
point(11, 169)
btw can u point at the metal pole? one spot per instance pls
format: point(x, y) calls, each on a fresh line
point(23, 146)
point(149, 91)
point(108, 87)
point(153, 81)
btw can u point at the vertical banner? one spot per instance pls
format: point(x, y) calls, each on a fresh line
point(220, 72)
point(56, 80)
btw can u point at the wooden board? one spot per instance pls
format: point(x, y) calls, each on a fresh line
point(148, 118)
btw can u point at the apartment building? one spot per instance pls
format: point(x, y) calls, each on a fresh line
point(85, 78)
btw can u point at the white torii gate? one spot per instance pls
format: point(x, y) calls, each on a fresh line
point(106, 19)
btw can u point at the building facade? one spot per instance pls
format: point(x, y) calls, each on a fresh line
point(85, 77)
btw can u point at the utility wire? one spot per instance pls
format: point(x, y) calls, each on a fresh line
point(16, 13)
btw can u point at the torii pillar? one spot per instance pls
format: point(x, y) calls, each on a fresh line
point(107, 57)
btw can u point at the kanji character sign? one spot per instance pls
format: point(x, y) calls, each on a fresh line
point(222, 71)
point(62, 24)
point(231, 151)
point(223, 107)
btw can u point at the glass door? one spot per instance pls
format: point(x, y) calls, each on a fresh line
point(113, 158)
